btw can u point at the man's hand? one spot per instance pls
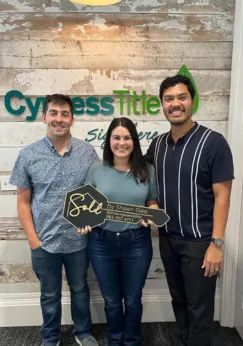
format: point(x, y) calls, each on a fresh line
point(212, 260)
point(35, 244)
point(84, 230)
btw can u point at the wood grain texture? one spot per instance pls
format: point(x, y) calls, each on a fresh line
point(103, 82)
point(15, 263)
point(18, 251)
point(22, 272)
point(115, 55)
point(126, 6)
point(33, 287)
point(7, 158)
point(10, 229)
point(54, 46)
point(116, 27)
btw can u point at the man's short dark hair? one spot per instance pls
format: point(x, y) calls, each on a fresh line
point(172, 81)
point(58, 99)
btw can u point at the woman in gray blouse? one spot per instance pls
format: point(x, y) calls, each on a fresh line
point(121, 253)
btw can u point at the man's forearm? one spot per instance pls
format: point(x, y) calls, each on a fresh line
point(214, 255)
point(220, 216)
point(26, 220)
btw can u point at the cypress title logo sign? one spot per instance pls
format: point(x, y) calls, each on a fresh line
point(129, 102)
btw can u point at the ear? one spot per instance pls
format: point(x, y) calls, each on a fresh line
point(44, 118)
point(73, 121)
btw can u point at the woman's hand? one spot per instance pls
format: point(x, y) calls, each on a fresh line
point(84, 230)
point(146, 223)
point(153, 205)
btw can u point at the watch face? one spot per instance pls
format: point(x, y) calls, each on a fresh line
point(219, 242)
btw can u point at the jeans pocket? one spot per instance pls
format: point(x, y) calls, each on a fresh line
point(142, 234)
point(96, 235)
point(37, 249)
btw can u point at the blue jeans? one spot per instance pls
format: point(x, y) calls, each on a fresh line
point(121, 262)
point(48, 269)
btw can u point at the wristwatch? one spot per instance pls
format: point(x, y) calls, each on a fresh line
point(217, 242)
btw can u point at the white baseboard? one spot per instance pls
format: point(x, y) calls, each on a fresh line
point(23, 309)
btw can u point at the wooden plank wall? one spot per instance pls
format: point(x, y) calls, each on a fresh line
point(55, 46)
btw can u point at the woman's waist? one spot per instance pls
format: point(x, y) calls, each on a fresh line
point(121, 233)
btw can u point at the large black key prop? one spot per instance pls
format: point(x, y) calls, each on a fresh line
point(86, 206)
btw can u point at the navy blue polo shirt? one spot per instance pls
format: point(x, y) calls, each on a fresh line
point(185, 174)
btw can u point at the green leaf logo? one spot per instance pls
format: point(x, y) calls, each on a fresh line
point(185, 72)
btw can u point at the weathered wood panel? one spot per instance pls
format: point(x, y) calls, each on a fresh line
point(10, 229)
point(8, 205)
point(18, 251)
point(33, 287)
point(8, 156)
point(16, 273)
point(56, 46)
point(22, 272)
point(126, 6)
point(114, 27)
point(26, 133)
point(4, 184)
point(103, 82)
point(14, 252)
point(115, 55)
point(211, 108)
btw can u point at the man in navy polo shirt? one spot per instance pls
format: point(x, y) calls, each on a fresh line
point(194, 171)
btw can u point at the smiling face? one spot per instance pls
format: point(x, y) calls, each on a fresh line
point(58, 119)
point(121, 143)
point(177, 104)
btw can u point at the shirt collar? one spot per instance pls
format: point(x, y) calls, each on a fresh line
point(185, 137)
point(51, 146)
